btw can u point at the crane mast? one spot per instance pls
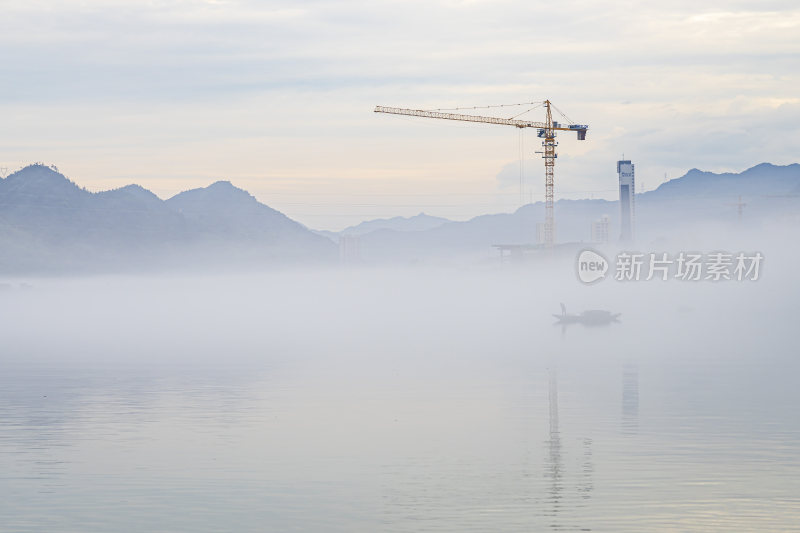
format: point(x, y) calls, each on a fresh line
point(549, 156)
point(545, 130)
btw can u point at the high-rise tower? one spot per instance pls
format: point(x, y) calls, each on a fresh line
point(627, 199)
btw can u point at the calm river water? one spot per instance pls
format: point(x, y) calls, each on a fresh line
point(396, 401)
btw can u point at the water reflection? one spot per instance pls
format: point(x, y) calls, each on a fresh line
point(630, 399)
point(554, 464)
point(586, 485)
point(563, 506)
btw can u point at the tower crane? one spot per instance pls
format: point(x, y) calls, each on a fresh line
point(545, 130)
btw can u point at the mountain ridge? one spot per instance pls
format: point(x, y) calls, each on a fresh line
point(49, 223)
point(54, 225)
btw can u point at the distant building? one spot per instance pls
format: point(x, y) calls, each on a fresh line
point(600, 230)
point(540, 239)
point(627, 199)
point(349, 249)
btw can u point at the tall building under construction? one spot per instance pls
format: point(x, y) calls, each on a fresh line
point(627, 200)
point(600, 230)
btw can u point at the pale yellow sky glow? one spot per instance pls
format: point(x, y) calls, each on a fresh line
point(278, 96)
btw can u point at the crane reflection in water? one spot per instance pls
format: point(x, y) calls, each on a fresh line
point(555, 471)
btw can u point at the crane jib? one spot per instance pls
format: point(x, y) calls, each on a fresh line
point(579, 128)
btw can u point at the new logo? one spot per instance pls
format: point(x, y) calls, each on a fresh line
point(591, 266)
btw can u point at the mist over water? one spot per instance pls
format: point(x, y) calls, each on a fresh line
point(389, 399)
point(251, 285)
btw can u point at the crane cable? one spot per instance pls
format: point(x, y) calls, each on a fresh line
point(569, 120)
point(528, 111)
point(486, 106)
point(498, 106)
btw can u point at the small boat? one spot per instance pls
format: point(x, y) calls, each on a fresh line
point(592, 317)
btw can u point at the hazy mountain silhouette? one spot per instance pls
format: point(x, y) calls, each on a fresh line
point(678, 207)
point(222, 210)
point(420, 222)
point(765, 178)
point(49, 224)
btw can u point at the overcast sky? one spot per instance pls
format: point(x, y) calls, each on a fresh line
point(277, 96)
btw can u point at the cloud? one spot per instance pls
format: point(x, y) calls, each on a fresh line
point(102, 85)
